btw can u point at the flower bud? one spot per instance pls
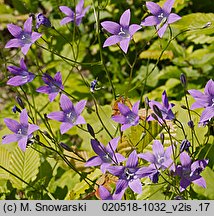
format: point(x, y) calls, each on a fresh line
point(185, 144)
point(91, 130)
point(162, 137)
point(157, 111)
point(65, 146)
point(16, 109)
point(20, 102)
point(191, 124)
point(146, 103)
point(42, 20)
point(183, 80)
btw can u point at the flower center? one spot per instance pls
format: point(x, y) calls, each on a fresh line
point(124, 33)
point(72, 117)
point(22, 131)
point(129, 175)
point(26, 38)
point(186, 172)
point(131, 118)
point(160, 159)
point(212, 102)
point(107, 158)
point(161, 16)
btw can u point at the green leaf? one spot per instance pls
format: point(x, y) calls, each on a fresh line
point(24, 165)
point(4, 162)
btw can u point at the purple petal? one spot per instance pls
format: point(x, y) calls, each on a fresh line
point(85, 10)
point(67, 11)
point(97, 147)
point(207, 114)
point(14, 43)
point(136, 185)
point(58, 77)
point(28, 25)
point(23, 65)
point(146, 171)
point(165, 99)
point(66, 20)
point(125, 126)
point(200, 181)
point(119, 118)
point(80, 106)
point(24, 118)
point(112, 145)
point(162, 30)
point(79, 7)
point(147, 156)
point(104, 193)
point(80, 120)
point(23, 143)
point(93, 161)
point(132, 160)
point(185, 159)
point(58, 116)
point(10, 138)
point(167, 7)
point(25, 48)
point(15, 70)
point(135, 107)
point(116, 170)
point(44, 89)
point(35, 36)
point(13, 125)
point(111, 27)
point(158, 148)
point(14, 30)
point(209, 88)
point(184, 183)
point(173, 18)
point(78, 20)
point(17, 80)
point(52, 96)
point(123, 109)
point(168, 152)
point(124, 44)
point(121, 185)
point(199, 164)
point(114, 39)
point(32, 128)
point(125, 18)
point(119, 158)
point(150, 21)
point(104, 167)
point(134, 28)
point(66, 104)
point(65, 126)
point(154, 8)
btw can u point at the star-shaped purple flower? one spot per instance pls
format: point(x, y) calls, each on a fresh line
point(162, 17)
point(76, 16)
point(122, 32)
point(22, 76)
point(23, 38)
point(128, 117)
point(205, 100)
point(42, 20)
point(70, 114)
point(130, 175)
point(190, 172)
point(22, 131)
point(106, 155)
point(165, 109)
point(159, 159)
point(54, 85)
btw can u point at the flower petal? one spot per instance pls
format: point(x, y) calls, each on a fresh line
point(66, 104)
point(32, 128)
point(135, 107)
point(125, 18)
point(93, 161)
point(173, 18)
point(119, 118)
point(80, 120)
point(111, 27)
point(124, 44)
point(65, 126)
point(124, 110)
point(28, 25)
point(184, 183)
point(207, 114)
point(35, 36)
point(67, 11)
point(66, 20)
point(185, 159)
point(80, 106)
point(98, 147)
point(136, 185)
point(79, 7)
point(162, 30)
point(24, 118)
point(132, 160)
point(104, 193)
point(10, 138)
point(17, 81)
point(58, 116)
point(23, 143)
point(148, 157)
point(14, 30)
point(14, 43)
point(116, 170)
point(58, 77)
point(23, 65)
point(158, 149)
point(52, 96)
point(13, 125)
point(112, 145)
point(200, 181)
point(104, 167)
point(154, 8)
point(114, 39)
point(44, 89)
point(167, 7)
point(121, 185)
point(134, 28)
point(209, 88)
point(150, 21)
point(125, 126)
point(25, 48)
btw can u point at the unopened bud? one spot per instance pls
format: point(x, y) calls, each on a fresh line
point(91, 130)
point(146, 103)
point(157, 111)
point(154, 116)
point(154, 178)
point(162, 137)
point(65, 146)
point(191, 124)
point(16, 109)
point(183, 107)
point(185, 144)
point(183, 80)
point(20, 102)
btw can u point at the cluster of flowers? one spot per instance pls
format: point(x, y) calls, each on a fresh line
point(107, 158)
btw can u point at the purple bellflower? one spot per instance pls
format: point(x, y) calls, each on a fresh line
point(42, 20)
point(22, 131)
point(22, 76)
point(76, 16)
point(122, 32)
point(23, 38)
point(130, 175)
point(165, 109)
point(162, 17)
point(106, 155)
point(128, 117)
point(159, 159)
point(205, 100)
point(106, 195)
point(54, 85)
point(190, 172)
point(70, 114)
